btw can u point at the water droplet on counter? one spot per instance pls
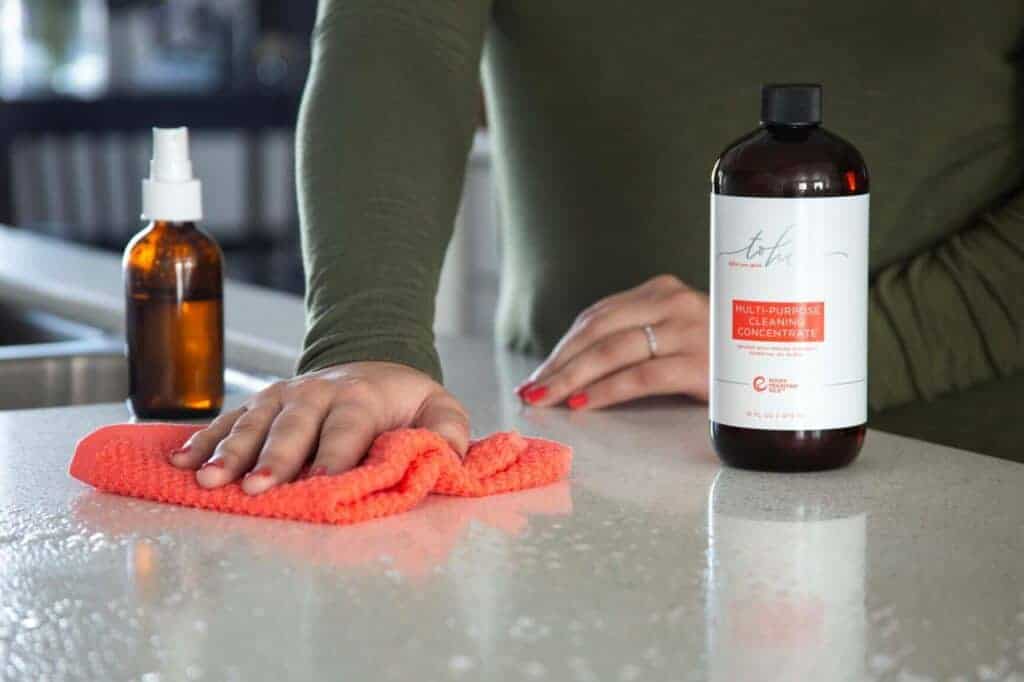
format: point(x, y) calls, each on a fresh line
point(676, 614)
point(460, 664)
point(581, 670)
point(994, 672)
point(535, 670)
point(519, 628)
point(881, 663)
point(907, 676)
point(629, 673)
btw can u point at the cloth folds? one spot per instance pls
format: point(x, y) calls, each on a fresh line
point(400, 470)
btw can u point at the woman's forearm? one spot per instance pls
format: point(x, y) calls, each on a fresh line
point(951, 317)
point(385, 126)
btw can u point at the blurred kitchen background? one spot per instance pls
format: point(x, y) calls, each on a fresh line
point(83, 81)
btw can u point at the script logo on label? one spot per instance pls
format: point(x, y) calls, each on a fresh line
point(761, 251)
point(760, 384)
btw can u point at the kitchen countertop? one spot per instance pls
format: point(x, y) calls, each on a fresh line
point(651, 563)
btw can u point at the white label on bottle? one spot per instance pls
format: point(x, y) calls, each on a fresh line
point(789, 300)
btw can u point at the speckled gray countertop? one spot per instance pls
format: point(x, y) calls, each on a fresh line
point(651, 563)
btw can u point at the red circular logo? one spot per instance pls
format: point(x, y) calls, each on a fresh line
point(760, 384)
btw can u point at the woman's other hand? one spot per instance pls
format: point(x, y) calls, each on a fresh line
point(608, 357)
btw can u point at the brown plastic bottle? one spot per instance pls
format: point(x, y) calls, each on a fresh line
point(789, 292)
point(173, 274)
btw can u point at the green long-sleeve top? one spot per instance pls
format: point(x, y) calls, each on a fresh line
point(606, 119)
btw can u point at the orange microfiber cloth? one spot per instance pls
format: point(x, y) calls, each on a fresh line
point(401, 469)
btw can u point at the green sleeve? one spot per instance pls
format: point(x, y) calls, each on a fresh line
point(951, 317)
point(385, 126)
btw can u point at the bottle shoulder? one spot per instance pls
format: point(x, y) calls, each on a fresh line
point(172, 243)
point(790, 162)
point(175, 257)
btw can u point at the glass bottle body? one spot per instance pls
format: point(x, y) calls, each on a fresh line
point(173, 275)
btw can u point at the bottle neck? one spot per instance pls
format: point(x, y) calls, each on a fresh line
point(790, 132)
point(173, 225)
point(795, 126)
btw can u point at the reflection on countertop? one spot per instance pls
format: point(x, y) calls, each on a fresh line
point(412, 545)
point(786, 581)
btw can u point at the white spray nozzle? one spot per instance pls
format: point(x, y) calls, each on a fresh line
point(171, 192)
point(171, 162)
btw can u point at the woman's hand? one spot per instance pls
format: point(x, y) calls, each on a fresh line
point(331, 416)
point(606, 357)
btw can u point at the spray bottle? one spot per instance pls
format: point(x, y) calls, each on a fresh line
point(173, 275)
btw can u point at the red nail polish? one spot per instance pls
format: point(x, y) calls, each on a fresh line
point(261, 472)
point(523, 388)
point(535, 393)
point(578, 400)
point(213, 464)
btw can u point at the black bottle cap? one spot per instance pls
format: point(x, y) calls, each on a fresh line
point(791, 104)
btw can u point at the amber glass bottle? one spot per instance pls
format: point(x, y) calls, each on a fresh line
point(789, 291)
point(173, 276)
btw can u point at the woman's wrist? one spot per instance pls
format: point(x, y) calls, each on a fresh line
point(324, 354)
